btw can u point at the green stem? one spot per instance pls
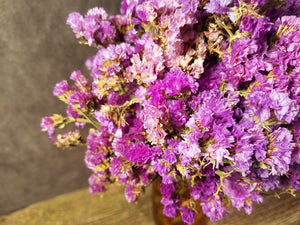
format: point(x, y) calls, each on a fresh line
point(89, 119)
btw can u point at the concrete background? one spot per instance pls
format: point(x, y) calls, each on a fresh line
point(37, 49)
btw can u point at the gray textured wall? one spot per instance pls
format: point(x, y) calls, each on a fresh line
point(37, 49)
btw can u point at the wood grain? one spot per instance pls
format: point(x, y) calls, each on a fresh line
point(82, 208)
point(273, 211)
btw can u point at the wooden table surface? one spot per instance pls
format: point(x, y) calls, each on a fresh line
point(81, 208)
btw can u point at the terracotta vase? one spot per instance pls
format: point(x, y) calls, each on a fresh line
point(161, 219)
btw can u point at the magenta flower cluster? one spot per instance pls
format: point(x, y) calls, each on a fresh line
point(203, 94)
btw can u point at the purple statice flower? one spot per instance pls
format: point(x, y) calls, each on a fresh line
point(132, 193)
point(294, 86)
point(106, 123)
point(296, 152)
point(155, 94)
point(141, 153)
point(211, 106)
point(284, 59)
point(48, 125)
point(97, 182)
point(93, 159)
point(167, 190)
point(94, 27)
point(288, 23)
point(176, 82)
point(120, 53)
point(165, 6)
point(176, 109)
point(211, 119)
point(145, 12)
point(78, 98)
point(170, 208)
point(98, 141)
point(140, 94)
point(197, 57)
point(263, 178)
point(75, 22)
point(135, 130)
point(287, 46)
point(179, 19)
point(206, 187)
point(72, 112)
point(284, 107)
point(80, 124)
point(120, 144)
point(131, 36)
point(241, 193)
point(106, 31)
point(242, 49)
point(259, 142)
point(187, 214)
point(116, 164)
point(249, 144)
point(152, 123)
point(125, 175)
point(160, 167)
point(163, 169)
point(257, 2)
point(145, 175)
point(189, 6)
point(148, 63)
point(218, 153)
point(168, 200)
point(128, 6)
point(129, 193)
point(115, 98)
point(168, 178)
point(218, 6)
point(175, 45)
point(81, 82)
point(289, 7)
point(187, 150)
point(295, 176)
point(169, 156)
point(214, 208)
point(233, 98)
point(91, 23)
point(173, 143)
point(238, 64)
point(280, 151)
point(254, 65)
point(126, 138)
point(142, 69)
point(90, 26)
point(97, 13)
point(97, 148)
point(211, 78)
point(61, 88)
point(119, 21)
point(260, 105)
point(258, 27)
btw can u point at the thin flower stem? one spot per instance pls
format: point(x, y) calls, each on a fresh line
point(89, 119)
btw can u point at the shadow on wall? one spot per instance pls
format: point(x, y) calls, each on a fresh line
point(37, 50)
